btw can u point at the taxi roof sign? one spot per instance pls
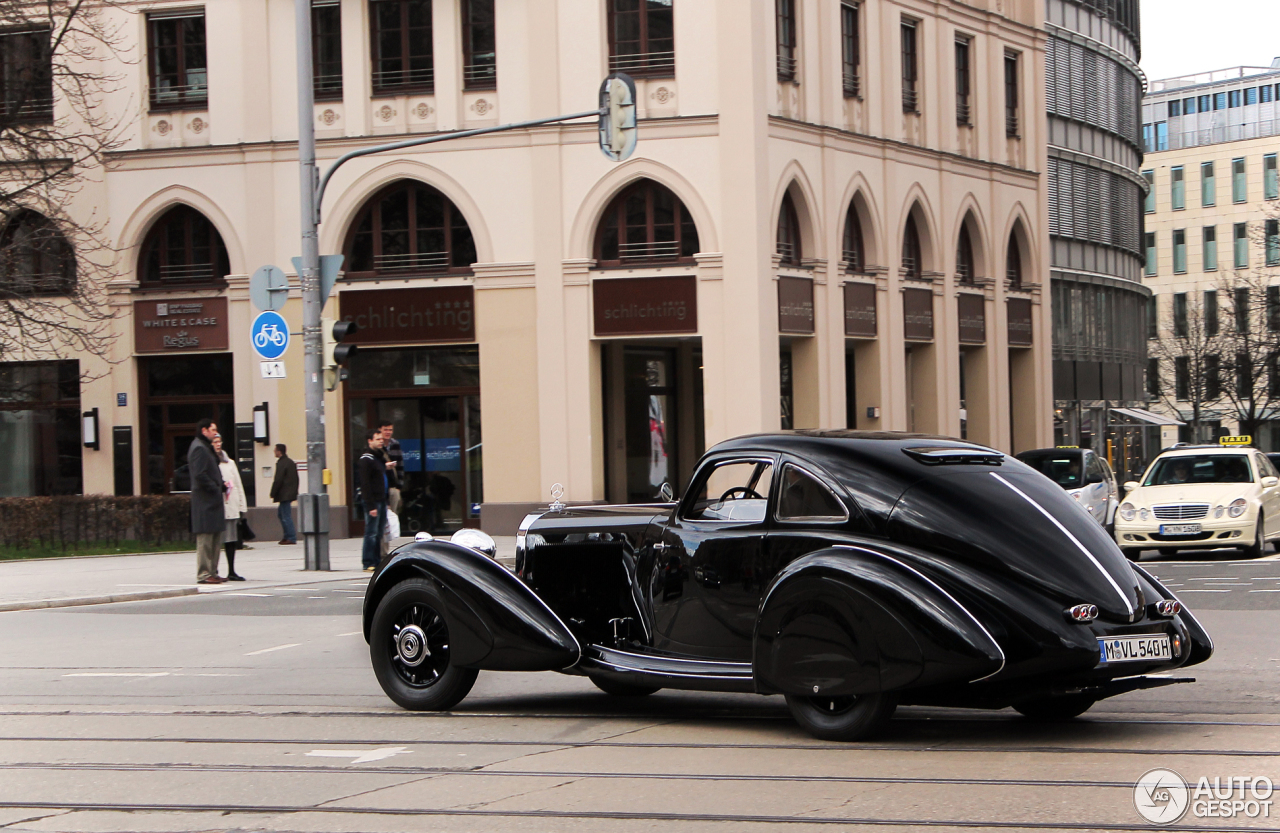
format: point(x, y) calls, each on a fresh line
point(1241, 440)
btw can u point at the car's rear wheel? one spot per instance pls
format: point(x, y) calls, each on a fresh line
point(618, 689)
point(1056, 708)
point(847, 718)
point(409, 647)
point(1259, 544)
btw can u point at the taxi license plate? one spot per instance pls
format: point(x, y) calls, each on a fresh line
point(1179, 529)
point(1134, 649)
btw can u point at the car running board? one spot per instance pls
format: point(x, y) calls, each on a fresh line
point(1123, 685)
point(664, 671)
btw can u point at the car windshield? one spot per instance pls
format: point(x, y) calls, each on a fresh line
point(1062, 467)
point(1201, 468)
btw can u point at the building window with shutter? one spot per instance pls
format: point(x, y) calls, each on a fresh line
point(642, 38)
point(910, 68)
point(1212, 377)
point(1153, 317)
point(1149, 201)
point(1270, 178)
point(1208, 185)
point(851, 49)
point(1179, 251)
point(1182, 378)
point(963, 79)
point(1149, 244)
point(1210, 312)
point(178, 68)
point(786, 34)
point(1239, 187)
point(1153, 378)
point(1273, 242)
point(1180, 315)
point(1210, 250)
point(1240, 245)
point(1177, 188)
point(1011, 94)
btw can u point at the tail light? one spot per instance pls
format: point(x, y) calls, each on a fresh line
point(1175, 644)
point(1168, 608)
point(1082, 613)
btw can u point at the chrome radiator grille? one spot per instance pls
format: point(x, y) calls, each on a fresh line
point(1181, 511)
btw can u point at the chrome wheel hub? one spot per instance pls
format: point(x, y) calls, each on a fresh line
point(411, 646)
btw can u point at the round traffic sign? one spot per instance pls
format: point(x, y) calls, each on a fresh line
point(269, 288)
point(270, 335)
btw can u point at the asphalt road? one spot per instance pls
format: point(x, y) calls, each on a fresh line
point(257, 710)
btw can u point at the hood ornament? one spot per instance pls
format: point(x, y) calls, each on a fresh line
point(557, 492)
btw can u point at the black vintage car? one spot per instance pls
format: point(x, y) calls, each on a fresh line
point(849, 571)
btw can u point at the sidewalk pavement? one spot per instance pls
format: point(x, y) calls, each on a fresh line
point(69, 582)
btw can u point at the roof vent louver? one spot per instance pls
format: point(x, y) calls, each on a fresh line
point(955, 455)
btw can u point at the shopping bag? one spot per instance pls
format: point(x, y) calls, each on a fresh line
point(393, 526)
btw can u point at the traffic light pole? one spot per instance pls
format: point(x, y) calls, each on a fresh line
point(314, 505)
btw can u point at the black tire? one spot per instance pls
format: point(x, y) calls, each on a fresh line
point(1131, 553)
point(1056, 708)
point(618, 689)
point(1259, 544)
point(431, 683)
point(843, 718)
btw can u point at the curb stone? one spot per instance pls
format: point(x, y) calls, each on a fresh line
point(43, 604)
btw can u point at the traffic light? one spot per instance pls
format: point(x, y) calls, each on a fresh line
point(336, 354)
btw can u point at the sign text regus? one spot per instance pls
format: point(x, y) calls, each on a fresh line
point(180, 325)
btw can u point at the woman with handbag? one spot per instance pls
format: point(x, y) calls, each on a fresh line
point(235, 506)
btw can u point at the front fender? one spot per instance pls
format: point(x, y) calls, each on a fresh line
point(495, 621)
point(849, 620)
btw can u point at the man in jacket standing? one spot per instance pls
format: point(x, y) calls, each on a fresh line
point(284, 491)
point(393, 458)
point(207, 496)
point(371, 480)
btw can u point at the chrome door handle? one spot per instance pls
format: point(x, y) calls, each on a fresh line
point(658, 546)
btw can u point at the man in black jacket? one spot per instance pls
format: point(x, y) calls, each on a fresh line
point(284, 491)
point(208, 494)
point(371, 480)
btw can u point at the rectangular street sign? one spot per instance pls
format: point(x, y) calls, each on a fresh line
point(272, 370)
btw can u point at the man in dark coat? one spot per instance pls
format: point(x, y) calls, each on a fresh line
point(284, 491)
point(208, 493)
point(371, 480)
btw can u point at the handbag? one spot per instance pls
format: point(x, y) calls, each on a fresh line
point(245, 531)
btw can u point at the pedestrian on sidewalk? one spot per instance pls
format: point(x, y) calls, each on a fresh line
point(393, 459)
point(234, 507)
point(284, 491)
point(371, 480)
point(208, 519)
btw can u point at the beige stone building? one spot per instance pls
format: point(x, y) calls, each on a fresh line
point(1212, 221)
point(835, 216)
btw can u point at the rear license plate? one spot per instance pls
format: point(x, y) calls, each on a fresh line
point(1134, 649)
point(1179, 529)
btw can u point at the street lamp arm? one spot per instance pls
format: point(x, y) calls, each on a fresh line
point(460, 134)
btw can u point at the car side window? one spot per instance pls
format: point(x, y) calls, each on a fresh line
point(1265, 469)
point(735, 490)
point(802, 497)
point(1094, 473)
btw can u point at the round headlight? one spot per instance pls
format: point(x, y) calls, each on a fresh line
point(1238, 507)
point(476, 540)
point(1127, 512)
point(1217, 512)
point(1144, 513)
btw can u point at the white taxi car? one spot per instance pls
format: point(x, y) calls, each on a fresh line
point(1201, 497)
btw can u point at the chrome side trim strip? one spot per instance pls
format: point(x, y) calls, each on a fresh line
point(662, 658)
point(1073, 539)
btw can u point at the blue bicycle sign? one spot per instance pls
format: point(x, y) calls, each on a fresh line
point(270, 335)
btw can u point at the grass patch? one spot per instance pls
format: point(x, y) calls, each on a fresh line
point(87, 548)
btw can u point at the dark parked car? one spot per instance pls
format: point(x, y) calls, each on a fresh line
point(849, 571)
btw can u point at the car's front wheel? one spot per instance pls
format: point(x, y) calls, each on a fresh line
point(847, 718)
point(1056, 708)
point(1259, 544)
point(409, 647)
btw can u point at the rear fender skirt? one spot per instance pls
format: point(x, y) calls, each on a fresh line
point(1201, 642)
point(496, 622)
point(848, 620)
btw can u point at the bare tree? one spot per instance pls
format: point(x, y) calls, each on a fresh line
point(60, 59)
point(1188, 343)
point(1251, 344)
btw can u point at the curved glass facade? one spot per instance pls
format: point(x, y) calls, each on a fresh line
point(1093, 99)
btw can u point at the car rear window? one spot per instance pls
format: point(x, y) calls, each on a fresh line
point(1200, 468)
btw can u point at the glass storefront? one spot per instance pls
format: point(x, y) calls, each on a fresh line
point(176, 392)
point(431, 395)
point(40, 429)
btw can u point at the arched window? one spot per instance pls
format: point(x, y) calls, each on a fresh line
point(854, 255)
point(646, 223)
point(35, 257)
point(912, 266)
point(183, 247)
point(406, 229)
point(964, 257)
point(1013, 264)
point(789, 232)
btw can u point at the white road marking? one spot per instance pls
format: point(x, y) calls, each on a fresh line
point(1264, 591)
point(360, 757)
point(353, 633)
point(317, 597)
point(259, 595)
point(1205, 591)
point(1213, 578)
point(152, 585)
point(269, 650)
point(1235, 583)
point(117, 674)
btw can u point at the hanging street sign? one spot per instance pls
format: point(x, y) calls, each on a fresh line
point(269, 288)
point(270, 335)
point(330, 266)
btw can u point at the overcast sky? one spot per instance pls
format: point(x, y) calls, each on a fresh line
point(1183, 37)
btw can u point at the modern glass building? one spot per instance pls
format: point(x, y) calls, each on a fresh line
point(1093, 98)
